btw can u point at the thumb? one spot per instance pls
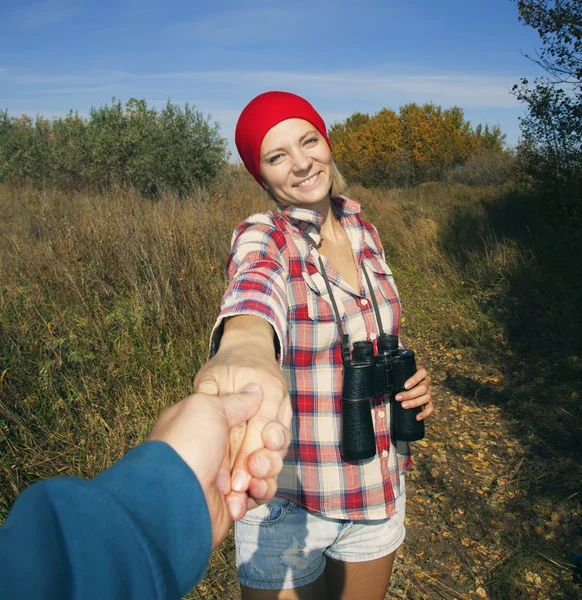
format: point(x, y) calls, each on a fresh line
point(239, 408)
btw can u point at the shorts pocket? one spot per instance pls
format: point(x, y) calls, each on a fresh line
point(269, 513)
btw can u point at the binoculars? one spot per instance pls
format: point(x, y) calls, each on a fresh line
point(366, 376)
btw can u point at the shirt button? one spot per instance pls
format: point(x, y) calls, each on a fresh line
point(381, 414)
point(364, 302)
point(372, 337)
point(384, 453)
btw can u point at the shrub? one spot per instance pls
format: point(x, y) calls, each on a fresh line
point(485, 168)
point(152, 151)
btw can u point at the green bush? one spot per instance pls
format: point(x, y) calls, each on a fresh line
point(134, 145)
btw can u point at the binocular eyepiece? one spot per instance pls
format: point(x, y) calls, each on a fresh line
point(366, 376)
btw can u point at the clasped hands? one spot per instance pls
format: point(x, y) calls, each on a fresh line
point(256, 447)
point(198, 429)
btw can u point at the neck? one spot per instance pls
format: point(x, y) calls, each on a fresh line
point(330, 228)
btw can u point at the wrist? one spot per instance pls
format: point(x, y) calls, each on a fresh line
point(255, 340)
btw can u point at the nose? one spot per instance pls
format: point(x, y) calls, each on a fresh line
point(301, 162)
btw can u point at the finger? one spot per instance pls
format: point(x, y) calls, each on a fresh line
point(416, 378)
point(253, 439)
point(240, 477)
point(252, 442)
point(262, 490)
point(223, 477)
point(416, 402)
point(420, 390)
point(239, 408)
point(252, 503)
point(426, 412)
point(236, 437)
point(237, 505)
point(206, 386)
point(276, 436)
point(263, 464)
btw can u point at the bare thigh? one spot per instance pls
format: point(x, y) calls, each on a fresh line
point(311, 591)
point(339, 581)
point(357, 580)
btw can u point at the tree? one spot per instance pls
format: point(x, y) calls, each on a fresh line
point(369, 149)
point(551, 149)
point(420, 143)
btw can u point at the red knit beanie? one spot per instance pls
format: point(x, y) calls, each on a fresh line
point(261, 114)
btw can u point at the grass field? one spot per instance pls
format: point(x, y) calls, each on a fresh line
point(106, 304)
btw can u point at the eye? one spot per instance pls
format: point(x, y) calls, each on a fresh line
point(310, 141)
point(273, 159)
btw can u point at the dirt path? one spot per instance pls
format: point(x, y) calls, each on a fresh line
point(473, 528)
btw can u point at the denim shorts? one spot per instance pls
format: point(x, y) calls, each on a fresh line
point(280, 546)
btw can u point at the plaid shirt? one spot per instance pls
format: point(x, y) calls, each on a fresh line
point(274, 274)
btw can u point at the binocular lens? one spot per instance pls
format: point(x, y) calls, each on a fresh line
point(363, 351)
point(387, 342)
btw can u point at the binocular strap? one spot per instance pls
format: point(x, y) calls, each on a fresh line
point(344, 337)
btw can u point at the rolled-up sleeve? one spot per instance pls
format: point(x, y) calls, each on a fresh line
point(257, 274)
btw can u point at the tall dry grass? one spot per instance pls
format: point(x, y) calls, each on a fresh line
point(106, 305)
point(107, 302)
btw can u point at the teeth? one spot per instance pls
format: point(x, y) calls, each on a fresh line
point(307, 181)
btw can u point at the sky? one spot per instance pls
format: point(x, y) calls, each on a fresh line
point(344, 56)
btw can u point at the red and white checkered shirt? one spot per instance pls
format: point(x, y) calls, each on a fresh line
point(274, 274)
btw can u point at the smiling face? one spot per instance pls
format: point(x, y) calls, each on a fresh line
point(296, 165)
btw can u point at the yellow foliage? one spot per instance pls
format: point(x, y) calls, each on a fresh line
point(418, 144)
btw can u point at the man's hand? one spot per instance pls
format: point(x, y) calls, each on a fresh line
point(198, 429)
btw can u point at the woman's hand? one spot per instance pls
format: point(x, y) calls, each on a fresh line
point(418, 394)
point(247, 356)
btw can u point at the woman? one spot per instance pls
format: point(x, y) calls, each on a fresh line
point(334, 526)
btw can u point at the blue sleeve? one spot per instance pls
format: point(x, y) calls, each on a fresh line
point(139, 530)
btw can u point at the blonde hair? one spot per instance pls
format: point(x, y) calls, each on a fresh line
point(338, 184)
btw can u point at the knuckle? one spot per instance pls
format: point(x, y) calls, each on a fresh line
point(201, 380)
point(259, 421)
point(279, 387)
point(237, 435)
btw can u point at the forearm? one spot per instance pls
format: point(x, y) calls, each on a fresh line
point(138, 530)
point(249, 333)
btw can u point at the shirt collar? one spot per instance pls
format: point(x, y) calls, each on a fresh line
point(310, 220)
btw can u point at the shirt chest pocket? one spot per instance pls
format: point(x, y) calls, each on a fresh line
point(321, 314)
point(384, 278)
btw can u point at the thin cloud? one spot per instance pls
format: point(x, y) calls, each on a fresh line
point(109, 88)
point(472, 90)
point(89, 79)
point(367, 87)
